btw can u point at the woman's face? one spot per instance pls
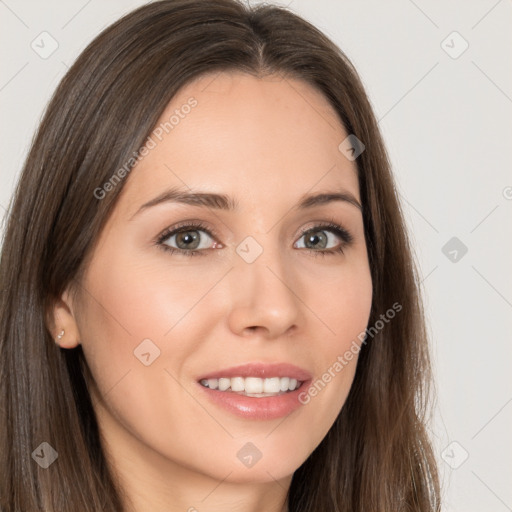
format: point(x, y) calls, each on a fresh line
point(257, 291)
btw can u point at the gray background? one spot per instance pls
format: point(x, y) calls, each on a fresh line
point(446, 119)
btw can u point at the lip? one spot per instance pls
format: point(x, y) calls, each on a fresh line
point(254, 408)
point(261, 370)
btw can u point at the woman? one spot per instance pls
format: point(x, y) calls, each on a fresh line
point(286, 367)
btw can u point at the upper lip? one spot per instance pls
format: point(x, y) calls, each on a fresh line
point(261, 370)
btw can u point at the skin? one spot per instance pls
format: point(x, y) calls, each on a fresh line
point(265, 142)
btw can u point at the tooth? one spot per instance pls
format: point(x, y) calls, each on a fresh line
point(284, 383)
point(224, 384)
point(237, 384)
point(271, 385)
point(253, 385)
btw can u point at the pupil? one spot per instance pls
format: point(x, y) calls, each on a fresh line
point(316, 239)
point(188, 239)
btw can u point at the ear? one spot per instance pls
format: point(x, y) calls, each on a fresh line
point(61, 318)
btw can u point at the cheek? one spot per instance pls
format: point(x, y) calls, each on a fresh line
point(138, 298)
point(343, 306)
point(132, 311)
point(342, 301)
point(138, 313)
point(133, 304)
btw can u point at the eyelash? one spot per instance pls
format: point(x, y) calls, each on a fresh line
point(331, 226)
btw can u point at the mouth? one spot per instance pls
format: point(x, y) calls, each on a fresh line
point(258, 391)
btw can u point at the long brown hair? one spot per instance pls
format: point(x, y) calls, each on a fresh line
point(377, 455)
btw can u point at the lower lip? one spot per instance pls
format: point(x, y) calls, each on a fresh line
point(254, 408)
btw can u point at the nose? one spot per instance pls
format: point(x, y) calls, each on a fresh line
point(263, 299)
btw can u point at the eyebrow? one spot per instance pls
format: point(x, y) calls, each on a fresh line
point(224, 202)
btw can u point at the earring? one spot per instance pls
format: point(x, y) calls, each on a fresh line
point(59, 336)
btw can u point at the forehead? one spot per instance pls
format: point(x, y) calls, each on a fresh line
point(274, 138)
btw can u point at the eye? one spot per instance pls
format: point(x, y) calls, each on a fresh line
point(195, 239)
point(188, 239)
point(320, 239)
